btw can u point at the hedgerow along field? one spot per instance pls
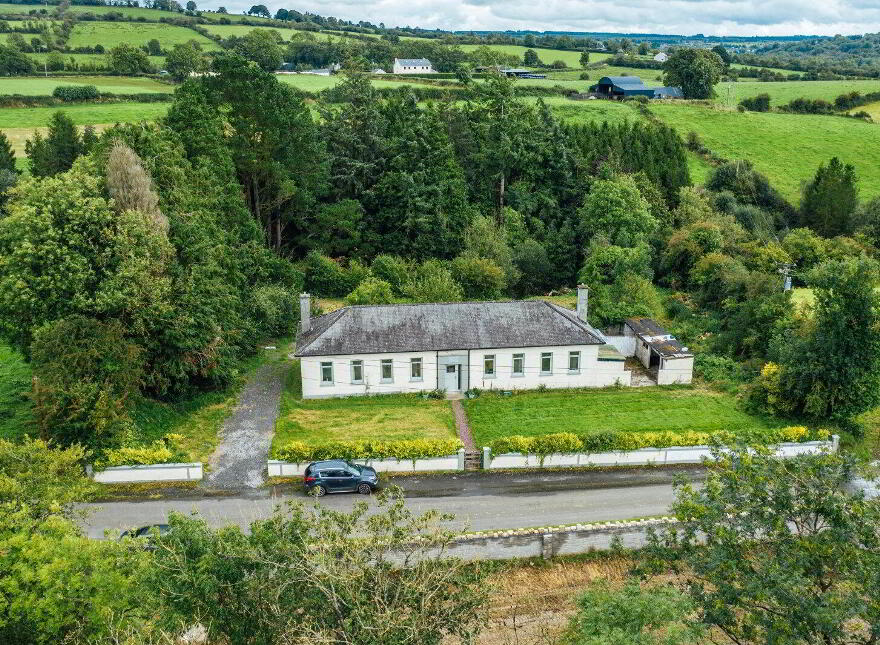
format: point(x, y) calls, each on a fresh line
point(782, 93)
point(654, 409)
point(787, 148)
point(38, 10)
point(43, 86)
point(390, 417)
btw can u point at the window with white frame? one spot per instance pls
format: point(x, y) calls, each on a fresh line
point(519, 364)
point(489, 365)
point(357, 372)
point(546, 363)
point(574, 361)
point(326, 373)
point(387, 370)
point(415, 369)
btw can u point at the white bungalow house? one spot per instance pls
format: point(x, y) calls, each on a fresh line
point(661, 57)
point(375, 349)
point(413, 66)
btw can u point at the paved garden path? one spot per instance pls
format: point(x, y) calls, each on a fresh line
point(461, 422)
point(240, 460)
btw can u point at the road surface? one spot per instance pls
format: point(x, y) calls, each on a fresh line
point(474, 512)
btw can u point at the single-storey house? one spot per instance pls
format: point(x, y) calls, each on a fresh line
point(374, 349)
point(621, 87)
point(661, 57)
point(413, 66)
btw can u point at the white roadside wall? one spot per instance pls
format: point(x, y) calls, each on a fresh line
point(151, 473)
point(433, 464)
point(592, 372)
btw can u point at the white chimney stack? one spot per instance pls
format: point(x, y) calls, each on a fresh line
point(583, 302)
point(305, 312)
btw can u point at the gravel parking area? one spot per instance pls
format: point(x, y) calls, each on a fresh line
point(240, 460)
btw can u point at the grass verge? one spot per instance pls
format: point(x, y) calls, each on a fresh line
point(667, 408)
point(391, 417)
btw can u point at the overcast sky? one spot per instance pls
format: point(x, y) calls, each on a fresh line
point(710, 17)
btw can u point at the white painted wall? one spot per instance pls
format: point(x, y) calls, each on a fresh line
point(676, 370)
point(151, 473)
point(592, 372)
point(433, 464)
point(626, 345)
point(310, 368)
point(411, 69)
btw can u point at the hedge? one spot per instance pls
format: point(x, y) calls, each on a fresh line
point(298, 452)
point(162, 451)
point(76, 92)
point(616, 441)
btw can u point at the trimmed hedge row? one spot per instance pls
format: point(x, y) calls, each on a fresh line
point(20, 100)
point(298, 452)
point(162, 451)
point(616, 441)
point(76, 92)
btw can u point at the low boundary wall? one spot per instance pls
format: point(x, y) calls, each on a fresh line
point(642, 457)
point(150, 473)
point(432, 464)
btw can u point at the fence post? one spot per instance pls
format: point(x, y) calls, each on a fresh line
point(487, 456)
point(461, 458)
point(547, 546)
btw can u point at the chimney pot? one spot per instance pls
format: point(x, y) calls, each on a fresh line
point(305, 312)
point(583, 301)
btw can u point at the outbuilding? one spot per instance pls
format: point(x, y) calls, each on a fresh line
point(660, 351)
point(413, 66)
point(622, 87)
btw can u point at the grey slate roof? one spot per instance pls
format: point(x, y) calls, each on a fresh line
point(629, 82)
point(414, 62)
point(380, 329)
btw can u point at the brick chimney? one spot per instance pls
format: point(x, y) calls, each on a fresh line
point(583, 302)
point(305, 312)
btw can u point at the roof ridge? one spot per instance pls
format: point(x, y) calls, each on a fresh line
point(577, 321)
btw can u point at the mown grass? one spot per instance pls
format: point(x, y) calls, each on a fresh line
point(668, 408)
point(357, 418)
point(131, 12)
point(784, 92)
point(82, 114)
point(43, 86)
point(788, 148)
point(16, 417)
point(111, 34)
point(547, 56)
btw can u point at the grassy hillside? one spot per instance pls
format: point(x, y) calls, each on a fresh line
point(42, 86)
point(82, 114)
point(547, 56)
point(781, 93)
point(788, 148)
point(590, 111)
point(130, 12)
point(111, 34)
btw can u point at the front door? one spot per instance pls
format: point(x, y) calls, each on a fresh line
point(453, 378)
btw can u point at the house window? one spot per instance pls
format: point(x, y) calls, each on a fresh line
point(357, 372)
point(546, 363)
point(519, 361)
point(387, 370)
point(574, 361)
point(415, 369)
point(489, 365)
point(326, 373)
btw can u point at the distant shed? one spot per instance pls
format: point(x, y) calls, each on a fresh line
point(622, 87)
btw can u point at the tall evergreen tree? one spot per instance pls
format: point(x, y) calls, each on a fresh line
point(7, 155)
point(830, 200)
point(57, 151)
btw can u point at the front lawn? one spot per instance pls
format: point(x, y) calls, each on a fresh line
point(391, 417)
point(647, 409)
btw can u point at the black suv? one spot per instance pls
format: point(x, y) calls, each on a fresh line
point(338, 476)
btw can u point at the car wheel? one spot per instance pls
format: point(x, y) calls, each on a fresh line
point(319, 491)
point(365, 489)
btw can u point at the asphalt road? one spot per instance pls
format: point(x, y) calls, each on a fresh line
point(473, 512)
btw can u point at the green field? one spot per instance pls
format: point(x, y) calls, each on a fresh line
point(547, 56)
point(782, 93)
point(111, 34)
point(42, 86)
point(82, 114)
point(627, 410)
point(15, 408)
point(871, 108)
point(240, 30)
point(99, 60)
point(314, 83)
point(131, 12)
point(590, 111)
point(788, 148)
point(387, 417)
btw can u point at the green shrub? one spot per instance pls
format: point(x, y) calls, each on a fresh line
point(717, 369)
point(76, 92)
point(298, 452)
point(163, 451)
point(760, 103)
point(392, 269)
point(433, 283)
point(371, 291)
point(480, 279)
point(274, 310)
point(327, 277)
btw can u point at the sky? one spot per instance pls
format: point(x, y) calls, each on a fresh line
point(710, 17)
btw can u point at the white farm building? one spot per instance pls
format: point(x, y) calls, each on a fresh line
point(413, 66)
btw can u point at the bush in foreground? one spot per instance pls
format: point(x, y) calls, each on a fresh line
point(299, 452)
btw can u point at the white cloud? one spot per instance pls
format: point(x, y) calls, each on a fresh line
point(710, 17)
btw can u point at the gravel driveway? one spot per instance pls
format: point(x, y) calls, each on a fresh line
point(240, 460)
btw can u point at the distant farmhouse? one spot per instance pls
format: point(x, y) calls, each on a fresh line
point(413, 66)
point(661, 57)
point(458, 346)
point(622, 87)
